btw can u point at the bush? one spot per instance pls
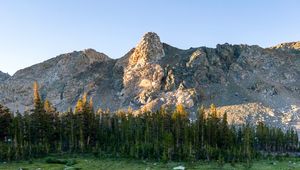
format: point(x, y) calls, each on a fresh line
point(74, 168)
point(30, 161)
point(67, 162)
point(248, 164)
point(232, 162)
point(56, 161)
point(220, 161)
point(279, 157)
point(71, 162)
point(96, 154)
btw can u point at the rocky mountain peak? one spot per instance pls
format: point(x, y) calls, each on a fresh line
point(149, 49)
point(288, 46)
point(93, 55)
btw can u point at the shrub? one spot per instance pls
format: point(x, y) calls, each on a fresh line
point(56, 161)
point(71, 162)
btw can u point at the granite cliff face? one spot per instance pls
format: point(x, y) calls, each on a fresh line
point(250, 83)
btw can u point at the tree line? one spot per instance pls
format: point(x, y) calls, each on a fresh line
point(162, 135)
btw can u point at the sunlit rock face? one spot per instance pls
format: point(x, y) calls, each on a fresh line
point(288, 46)
point(149, 49)
point(143, 75)
point(250, 83)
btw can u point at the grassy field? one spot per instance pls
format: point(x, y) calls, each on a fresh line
point(90, 163)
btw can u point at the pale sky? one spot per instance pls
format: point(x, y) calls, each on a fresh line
point(32, 31)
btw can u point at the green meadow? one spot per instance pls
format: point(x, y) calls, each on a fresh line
point(93, 163)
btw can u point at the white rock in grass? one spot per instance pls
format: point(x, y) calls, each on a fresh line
point(179, 168)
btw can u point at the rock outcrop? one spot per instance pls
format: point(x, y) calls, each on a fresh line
point(150, 49)
point(143, 75)
point(288, 46)
point(3, 76)
point(250, 83)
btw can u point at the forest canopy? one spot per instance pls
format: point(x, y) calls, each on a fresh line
point(162, 135)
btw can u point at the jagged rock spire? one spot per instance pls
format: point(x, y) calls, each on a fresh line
point(149, 49)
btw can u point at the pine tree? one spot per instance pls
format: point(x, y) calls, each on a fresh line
point(247, 145)
point(224, 135)
point(213, 126)
point(38, 123)
point(86, 121)
point(180, 119)
point(17, 133)
point(200, 132)
point(5, 122)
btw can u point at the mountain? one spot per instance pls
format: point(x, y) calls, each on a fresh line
point(250, 83)
point(288, 46)
point(3, 76)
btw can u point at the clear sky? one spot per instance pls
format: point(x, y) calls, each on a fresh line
point(32, 31)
